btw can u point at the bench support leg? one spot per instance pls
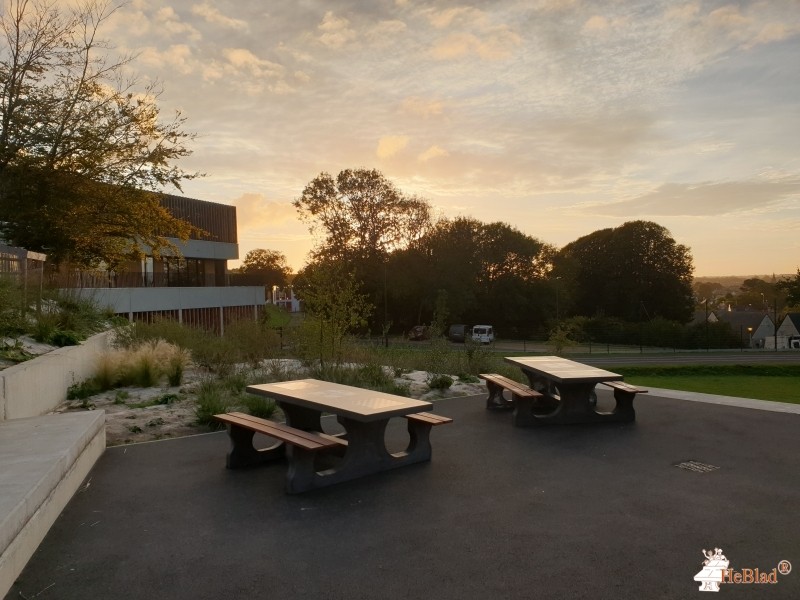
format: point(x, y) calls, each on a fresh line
point(244, 454)
point(419, 441)
point(496, 400)
point(301, 475)
point(624, 407)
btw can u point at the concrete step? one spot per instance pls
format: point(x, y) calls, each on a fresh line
point(43, 461)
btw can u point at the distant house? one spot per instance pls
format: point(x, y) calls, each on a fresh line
point(753, 327)
point(788, 334)
point(701, 316)
point(192, 288)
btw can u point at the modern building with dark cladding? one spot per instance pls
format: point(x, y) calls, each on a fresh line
point(192, 287)
point(218, 221)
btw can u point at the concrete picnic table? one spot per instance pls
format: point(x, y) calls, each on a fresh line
point(567, 389)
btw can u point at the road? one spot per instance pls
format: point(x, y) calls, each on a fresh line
point(601, 356)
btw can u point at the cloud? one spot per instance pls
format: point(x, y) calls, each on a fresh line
point(497, 43)
point(442, 19)
point(177, 57)
point(335, 31)
point(214, 16)
point(390, 145)
point(254, 211)
point(170, 23)
point(707, 199)
point(596, 23)
point(387, 29)
point(244, 60)
point(771, 32)
point(421, 107)
point(471, 32)
point(727, 17)
point(433, 152)
point(682, 12)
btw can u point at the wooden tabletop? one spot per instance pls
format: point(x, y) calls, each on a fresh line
point(356, 403)
point(562, 370)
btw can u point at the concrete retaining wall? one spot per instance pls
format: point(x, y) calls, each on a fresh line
point(43, 461)
point(36, 387)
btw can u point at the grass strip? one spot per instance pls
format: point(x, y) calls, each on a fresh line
point(778, 383)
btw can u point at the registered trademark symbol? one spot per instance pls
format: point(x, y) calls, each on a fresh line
point(784, 567)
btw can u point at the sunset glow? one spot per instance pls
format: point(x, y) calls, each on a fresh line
point(558, 117)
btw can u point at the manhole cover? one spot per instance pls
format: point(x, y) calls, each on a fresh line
point(696, 466)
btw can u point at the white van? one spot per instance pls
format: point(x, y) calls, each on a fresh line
point(483, 334)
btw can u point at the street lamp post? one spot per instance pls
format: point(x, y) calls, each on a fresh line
point(750, 333)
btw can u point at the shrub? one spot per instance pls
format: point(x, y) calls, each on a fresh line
point(178, 360)
point(253, 341)
point(65, 338)
point(144, 366)
point(15, 352)
point(210, 401)
point(259, 406)
point(144, 370)
point(235, 381)
point(279, 370)
point(439, 382)
point(82, 390)
point(107, 370)
point(44, 328)
point(78, 314)
point(166, 399)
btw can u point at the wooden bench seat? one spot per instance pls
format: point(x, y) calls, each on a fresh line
point(624, 394)
point(242, 427)
point(427, 418)
point(495, 384)
point(624, 387)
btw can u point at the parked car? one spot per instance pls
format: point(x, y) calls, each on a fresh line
point(483, 334)
point(419, 332)
point(458, 333)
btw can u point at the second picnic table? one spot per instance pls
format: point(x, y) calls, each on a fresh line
point(561, 392)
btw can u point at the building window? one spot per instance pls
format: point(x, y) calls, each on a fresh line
point(184, 272)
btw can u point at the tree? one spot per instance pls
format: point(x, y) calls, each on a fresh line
point(489, 273)
point(791, 286)
point(635, 271)
point(756, 293)
point(335, 307)
point(707, 290)
point(269, 266)
point(362, 218)
point(361, 214)
point(81, 150)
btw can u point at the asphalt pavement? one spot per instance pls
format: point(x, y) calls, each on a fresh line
point(589, 511)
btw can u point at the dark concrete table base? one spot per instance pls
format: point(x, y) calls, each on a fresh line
point(573, 406)
point(364, 454)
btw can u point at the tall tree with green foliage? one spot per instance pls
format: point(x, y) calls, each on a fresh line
point(269, 266)
point(361, 218)
point(636, 271)
point(82, 147)
point(490, 273)
point(361, 215)
point(791, 287)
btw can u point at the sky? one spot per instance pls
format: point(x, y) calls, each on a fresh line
point(558, 117)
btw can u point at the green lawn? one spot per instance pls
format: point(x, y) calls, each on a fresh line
point(780, 384)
